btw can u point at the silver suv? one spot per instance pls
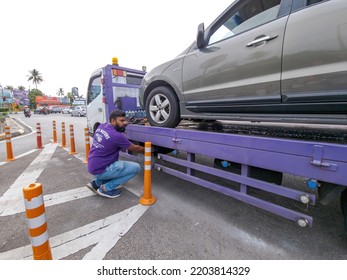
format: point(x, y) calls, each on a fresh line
point(260, 60)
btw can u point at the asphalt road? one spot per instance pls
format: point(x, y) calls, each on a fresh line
point(22, 144)
point(186, 222)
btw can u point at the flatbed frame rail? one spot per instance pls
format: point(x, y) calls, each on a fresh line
point(321, 161)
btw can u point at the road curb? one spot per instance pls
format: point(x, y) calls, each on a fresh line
point(23, 125)
point(19, 130)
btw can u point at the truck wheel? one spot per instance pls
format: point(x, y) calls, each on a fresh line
point(329, 192)
point(162, 107)
point(95, 128)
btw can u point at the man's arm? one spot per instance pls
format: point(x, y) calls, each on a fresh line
point(136, 148)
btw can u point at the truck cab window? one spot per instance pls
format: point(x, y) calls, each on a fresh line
point(94, 89)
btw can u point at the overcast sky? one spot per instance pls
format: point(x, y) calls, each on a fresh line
point(66, 40)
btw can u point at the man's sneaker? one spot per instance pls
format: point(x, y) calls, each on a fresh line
point(92, 186)
point(110, 194)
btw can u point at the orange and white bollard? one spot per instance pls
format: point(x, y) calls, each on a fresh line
point(36, 219)
point(38, 136)
point(55, 138)
point(147, 198)
point(8, 144)
point(63, 136)
point(72, 141)
point(86, 135)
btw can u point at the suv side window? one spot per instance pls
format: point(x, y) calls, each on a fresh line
point(250, 14)
point(311, 2)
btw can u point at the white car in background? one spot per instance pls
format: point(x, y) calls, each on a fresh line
point(79, 111)
point(66, 110)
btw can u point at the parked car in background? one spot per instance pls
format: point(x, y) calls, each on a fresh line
point(66, 110)
point(260, 60)
point(41, 110)
point(38, 110)
point(55, 109)
point(79, 111)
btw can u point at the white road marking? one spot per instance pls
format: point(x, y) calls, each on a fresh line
point(104, 234)
point(22, 136)
point(65, 196)
point(19, 156)
point(12, 200)
point(78, 156)
point(135, 190)
point(17, 205)
point(53, 199)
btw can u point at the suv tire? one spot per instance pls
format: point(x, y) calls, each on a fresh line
point(162, 107)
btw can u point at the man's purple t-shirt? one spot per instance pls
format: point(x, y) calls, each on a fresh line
point(107, 143)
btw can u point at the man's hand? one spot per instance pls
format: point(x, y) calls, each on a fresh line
point(136, 148)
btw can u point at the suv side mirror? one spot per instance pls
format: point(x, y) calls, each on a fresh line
point(200, 38)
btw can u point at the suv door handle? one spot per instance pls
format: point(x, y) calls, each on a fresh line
point(261, 39)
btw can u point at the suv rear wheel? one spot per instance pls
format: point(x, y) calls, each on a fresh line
point(162, 107)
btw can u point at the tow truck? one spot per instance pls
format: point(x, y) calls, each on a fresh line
point(245, 161)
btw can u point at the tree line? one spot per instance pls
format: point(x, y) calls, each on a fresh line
point(36, 78)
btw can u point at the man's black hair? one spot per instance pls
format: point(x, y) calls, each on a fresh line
point(116, 114)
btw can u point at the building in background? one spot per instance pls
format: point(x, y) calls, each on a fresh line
point(80, 101)
point(6, 98)
point(49, 101)
point(21, 97)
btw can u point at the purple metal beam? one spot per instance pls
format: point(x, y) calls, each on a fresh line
point(265, 186)
point(268, 206)
point(322, 161)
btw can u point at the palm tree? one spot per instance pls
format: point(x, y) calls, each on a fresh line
point(21, 88)
point(35, 76)
point(60, 92)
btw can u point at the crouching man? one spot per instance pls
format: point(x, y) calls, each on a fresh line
point(103, 161)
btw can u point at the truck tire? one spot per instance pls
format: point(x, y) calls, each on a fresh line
point(162, 107)
point(95, 127)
